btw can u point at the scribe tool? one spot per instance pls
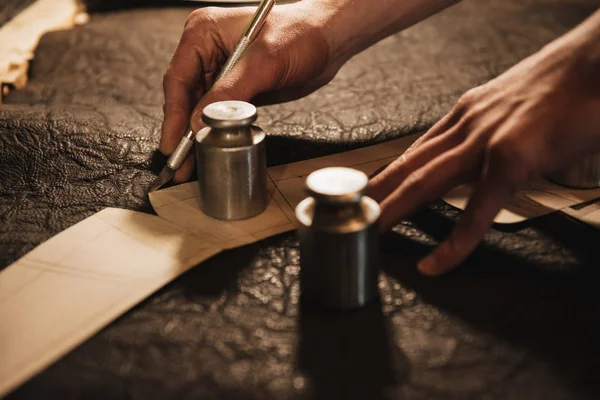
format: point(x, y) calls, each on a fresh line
point(178, 156)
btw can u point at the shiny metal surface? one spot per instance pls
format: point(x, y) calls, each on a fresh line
point(165, 176)
point(231, 162)
point(583, 175)
point(229, 114)
point(338, 240)
point(180, 152)
point(178, 156)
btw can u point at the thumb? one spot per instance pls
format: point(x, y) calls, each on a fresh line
point(257, 72)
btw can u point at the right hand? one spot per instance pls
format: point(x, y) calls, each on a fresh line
point(289, 59)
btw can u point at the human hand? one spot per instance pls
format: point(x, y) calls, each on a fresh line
point(541, 115)
point(299, 49)
point(289, 59)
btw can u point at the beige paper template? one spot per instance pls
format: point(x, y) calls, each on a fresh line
point(537, 199)
point(180, 204)
point(74, 284)
point(589, 214)
point(71, 286)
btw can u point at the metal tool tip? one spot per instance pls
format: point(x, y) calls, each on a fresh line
point(165, 176)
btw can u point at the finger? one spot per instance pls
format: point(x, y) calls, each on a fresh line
point(443, 125)
point(479, 215)
point(185, 170)
point(256, 72)
point(427, 184)
point(182, 80)
point(434, 142)
point(385, 182)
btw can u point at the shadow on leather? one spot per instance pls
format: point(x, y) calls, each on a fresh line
point(218, 274)
point(555, 316)
point(285, 150)
point(349, 354)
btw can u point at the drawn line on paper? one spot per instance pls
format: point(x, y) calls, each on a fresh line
point(62, 338)
point(23, 286)
point(286, 202)
point(350, 165)
point(107, 227)
point(93, 275)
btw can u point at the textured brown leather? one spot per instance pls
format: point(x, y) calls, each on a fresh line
point(10, 8)
point(518, 320)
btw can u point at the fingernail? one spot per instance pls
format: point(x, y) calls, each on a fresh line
point(428, 266)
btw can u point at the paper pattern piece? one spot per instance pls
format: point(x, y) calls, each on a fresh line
point(537, 199)
point(180, 204)
point(558, 197)
point(76, 283)
point(589, 214)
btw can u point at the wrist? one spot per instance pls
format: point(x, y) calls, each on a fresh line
point(350, 26)
point(579, 52)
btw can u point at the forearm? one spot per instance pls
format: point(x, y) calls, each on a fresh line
point(583, 43)
point(353, 25)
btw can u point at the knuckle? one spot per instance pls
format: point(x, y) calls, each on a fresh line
point(200, 17)
point(193, 18)
point(475, 92)
point(463, 102)
point(468, 99)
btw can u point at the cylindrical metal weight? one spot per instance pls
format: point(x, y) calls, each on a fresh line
point(231, 162)
point(583, 175)
point(338, 240)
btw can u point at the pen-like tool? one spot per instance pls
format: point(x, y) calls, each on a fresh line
point(178, 156)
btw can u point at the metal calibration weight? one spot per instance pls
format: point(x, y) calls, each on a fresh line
point(338, 240)
point(231, 162)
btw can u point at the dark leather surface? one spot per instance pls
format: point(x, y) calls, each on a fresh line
point(10, 8)
point(518, 320)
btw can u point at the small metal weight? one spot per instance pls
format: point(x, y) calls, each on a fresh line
point(583, 175)
point(338, 240)
point(231, 162)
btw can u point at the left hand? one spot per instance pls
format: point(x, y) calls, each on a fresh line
point(541, 115)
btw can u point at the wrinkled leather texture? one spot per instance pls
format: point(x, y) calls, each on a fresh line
point(10, 8)
point(518, 320)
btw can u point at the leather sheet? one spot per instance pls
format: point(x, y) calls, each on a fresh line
point(517, 320)
point(10, 8)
